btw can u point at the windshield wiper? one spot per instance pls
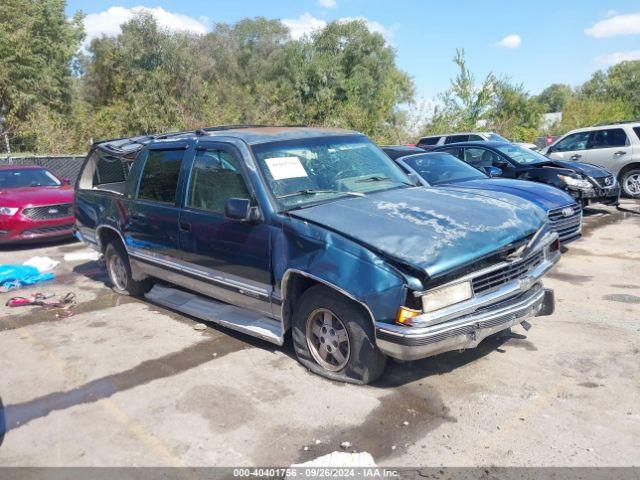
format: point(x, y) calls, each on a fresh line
point(372, 178)
point(308, 191)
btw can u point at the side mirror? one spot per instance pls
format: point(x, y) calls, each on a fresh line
point(414, 179)
point(65, 181)
point(492, 171)
point(501, 165)
point(240, 209)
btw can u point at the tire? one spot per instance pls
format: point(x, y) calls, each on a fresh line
point(119, 270)
point(630, 182)
point(358, 360)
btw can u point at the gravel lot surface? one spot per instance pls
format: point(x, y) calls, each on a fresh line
point(124, 382)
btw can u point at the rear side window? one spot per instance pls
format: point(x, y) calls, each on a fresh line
point(159, 179)
point(475, 138)
point(215, 178)
point(457, 139)
point(637, 132)
point(455, 151)
point(110, 169)
point(612, 137)
point(429, 141)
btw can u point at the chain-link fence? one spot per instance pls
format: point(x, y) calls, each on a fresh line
point(64, 166)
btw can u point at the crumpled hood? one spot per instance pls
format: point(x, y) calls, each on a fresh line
point(22, 197)
point(433, 229)
point(545, 196)
point(580, 167)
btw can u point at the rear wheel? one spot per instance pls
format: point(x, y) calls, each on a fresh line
point(334, 337)
point(630, 181)
point(119, 270)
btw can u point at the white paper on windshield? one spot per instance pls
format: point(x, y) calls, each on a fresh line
point(282, 168)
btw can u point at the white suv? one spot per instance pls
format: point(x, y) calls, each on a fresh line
point(615, 147)
point(447, 138)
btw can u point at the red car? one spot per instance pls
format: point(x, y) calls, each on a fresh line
point(34, 205)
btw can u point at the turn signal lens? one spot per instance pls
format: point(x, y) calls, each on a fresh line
point(405, 315)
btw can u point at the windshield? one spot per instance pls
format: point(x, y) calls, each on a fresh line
point(522, 155)
point(28, 177)
point(309, 171)
point(497, 138)
point(439, 168)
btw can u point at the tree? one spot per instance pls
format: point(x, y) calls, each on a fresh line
point(583, 111)
point(514, 113)
point(621, 82)
point(37, 46)
point(554, 97)
point(465, 105)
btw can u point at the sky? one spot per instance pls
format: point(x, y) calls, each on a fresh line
point(536, 43)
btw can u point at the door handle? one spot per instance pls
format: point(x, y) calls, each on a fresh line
point(185, 226)
point(576, 156)
point(621, 152)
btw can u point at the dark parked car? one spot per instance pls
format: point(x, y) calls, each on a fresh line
point(585, 182)
point(439, 169)
point(314, 230)
point(35, 205)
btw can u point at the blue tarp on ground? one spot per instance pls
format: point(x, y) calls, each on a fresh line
point(13, 276)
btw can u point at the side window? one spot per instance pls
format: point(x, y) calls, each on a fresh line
point(215, 178)
point(159, 179)
point(110, 169)
point(613, 137)
point(455, 151)
point(575, 141)
point(475, 138)
point(637, 132)
point(457, 138)
point(429, 141)
point(480, 157)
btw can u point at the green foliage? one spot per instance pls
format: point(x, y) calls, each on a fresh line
point(554, 97)
point(583, 111)
point(37, 45)
point(620, 83)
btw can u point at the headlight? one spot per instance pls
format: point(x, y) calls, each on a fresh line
point(8, 211)
point(575, 182)
point(446, 296)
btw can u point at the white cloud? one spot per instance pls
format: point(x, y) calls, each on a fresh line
point(109, 21)
point(611, 13)
point(328, 3)
point(510, 41)
point(617, 57)
point(303, 25)
point(628, 24)
point(306, 24)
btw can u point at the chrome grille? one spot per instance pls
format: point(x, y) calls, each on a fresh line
point(48, 212)
point(506, 274)
point(566, 226)
point(40, 231)
point(605, 182)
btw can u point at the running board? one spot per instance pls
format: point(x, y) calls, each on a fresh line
point(205, 308)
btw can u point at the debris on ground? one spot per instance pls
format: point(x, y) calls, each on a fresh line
point(199, 326)
point(64, 304)
point(43, 264)
point(339, 460)
point(16, 276)
point(346, 445)
point(82, 255)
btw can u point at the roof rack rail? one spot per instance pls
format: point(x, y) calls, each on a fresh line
point(620, 122)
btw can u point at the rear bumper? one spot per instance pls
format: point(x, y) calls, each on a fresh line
point(408, 343)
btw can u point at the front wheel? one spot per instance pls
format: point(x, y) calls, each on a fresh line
point(119, 270)
point(630, 181)
point(334, 337)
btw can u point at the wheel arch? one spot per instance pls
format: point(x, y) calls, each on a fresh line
point(105, 234)
point(295, 282)
point(627, 167)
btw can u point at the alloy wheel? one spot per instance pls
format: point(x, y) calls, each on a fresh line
point(328, 340)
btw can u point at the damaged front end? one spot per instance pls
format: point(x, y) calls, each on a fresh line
point(460, 313)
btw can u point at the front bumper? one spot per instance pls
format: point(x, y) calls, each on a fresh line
point(606, 196)
point(407, 343)
point(466, 324)
point(36, 231)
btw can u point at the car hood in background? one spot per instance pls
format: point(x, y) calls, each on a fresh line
point(22, 197)
point(545, 196)
point(580, 167)
point(432, 229)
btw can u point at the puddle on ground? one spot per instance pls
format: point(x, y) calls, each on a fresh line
point(592, 223)
point(569, 277)
point(622, 297)
point(166, 366)
point(400, 419)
